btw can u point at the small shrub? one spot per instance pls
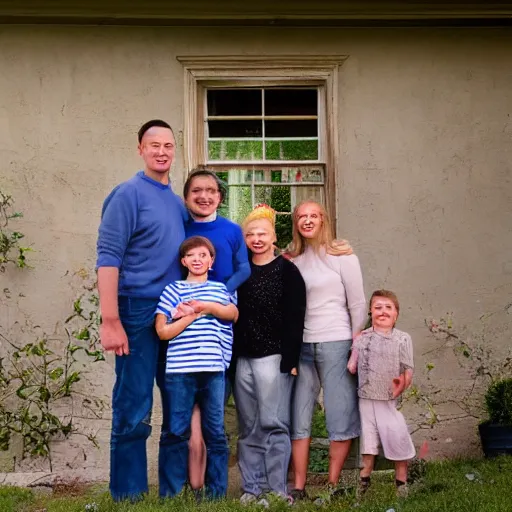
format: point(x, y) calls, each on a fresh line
point(318, 427)
point(498, 401)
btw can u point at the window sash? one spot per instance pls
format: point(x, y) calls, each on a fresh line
point(320, 118)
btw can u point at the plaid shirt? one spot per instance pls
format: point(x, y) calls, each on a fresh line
point(381, 358)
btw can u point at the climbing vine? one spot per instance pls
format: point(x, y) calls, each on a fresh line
point(38, 379)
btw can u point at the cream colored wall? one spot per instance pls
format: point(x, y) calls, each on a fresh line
point(424, 193)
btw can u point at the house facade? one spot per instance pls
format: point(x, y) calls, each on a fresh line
point(396, 115)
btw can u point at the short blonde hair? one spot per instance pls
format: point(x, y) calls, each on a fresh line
point(260, 212)
point(325, 238)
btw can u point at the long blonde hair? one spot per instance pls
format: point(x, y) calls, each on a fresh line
point(325, 237)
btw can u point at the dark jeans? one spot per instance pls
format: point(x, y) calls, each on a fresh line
point(182, 391)
point(132, 400)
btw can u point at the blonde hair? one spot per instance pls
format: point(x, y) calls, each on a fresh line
point(325, 237)
point(260, 212)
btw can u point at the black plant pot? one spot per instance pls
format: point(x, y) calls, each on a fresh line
point(496, 439)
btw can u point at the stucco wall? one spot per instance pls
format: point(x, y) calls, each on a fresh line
point(424, 193)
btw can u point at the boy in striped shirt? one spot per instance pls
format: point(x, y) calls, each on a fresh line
point(198, 353)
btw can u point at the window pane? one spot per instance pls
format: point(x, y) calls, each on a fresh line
point(291, 149)
point(242, 128)
point(234, 102)
point(291, 102)
point(305, 128)
point(283, 230)
point(235, 150)
point(239, 197)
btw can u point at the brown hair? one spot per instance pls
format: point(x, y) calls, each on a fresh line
point(325, 238)
point(387, 295)
point(194, 242)
point(199, 173)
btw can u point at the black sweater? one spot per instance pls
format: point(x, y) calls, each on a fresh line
point(272, 306)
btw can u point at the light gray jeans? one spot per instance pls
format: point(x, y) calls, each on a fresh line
point(263, 397)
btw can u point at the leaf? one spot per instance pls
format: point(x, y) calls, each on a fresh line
point(84, 334)
point(77, 306)
point(56, 373)
point(20, 392)
point(74, 377)
point(44, 394)
point(67, 429)
point(97, 354)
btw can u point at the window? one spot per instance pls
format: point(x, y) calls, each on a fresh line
point(268, 137)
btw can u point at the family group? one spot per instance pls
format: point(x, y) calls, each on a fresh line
point(207, 307)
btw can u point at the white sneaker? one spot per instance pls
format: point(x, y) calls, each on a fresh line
point(263, 502)
point(247, 498)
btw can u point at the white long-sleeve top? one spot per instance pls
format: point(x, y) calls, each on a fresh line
point(336, 304)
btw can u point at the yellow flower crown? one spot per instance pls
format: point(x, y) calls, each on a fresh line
point(261, 212)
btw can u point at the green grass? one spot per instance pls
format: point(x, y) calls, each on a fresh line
point(445, 489)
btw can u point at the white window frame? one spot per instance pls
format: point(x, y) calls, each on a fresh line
point(201, 72)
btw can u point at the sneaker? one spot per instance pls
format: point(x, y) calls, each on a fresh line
point(363, 486)
point(298, 495)
point(199, 495)
point(247, 498)
point(263, 502)
point(402, 491)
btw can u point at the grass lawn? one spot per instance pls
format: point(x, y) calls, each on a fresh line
point(445, 488)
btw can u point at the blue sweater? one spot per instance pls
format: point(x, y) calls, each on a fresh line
point(231, 265)
point(142, 227)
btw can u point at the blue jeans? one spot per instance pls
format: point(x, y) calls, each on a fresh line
point(132, 400)
point(182, 392)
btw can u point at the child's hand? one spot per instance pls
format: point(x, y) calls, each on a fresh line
point(182, 310)
point(197, 306)
point(352, 366)
point(398, 386)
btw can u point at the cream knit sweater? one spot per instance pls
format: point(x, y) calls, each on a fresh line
point(336, 304)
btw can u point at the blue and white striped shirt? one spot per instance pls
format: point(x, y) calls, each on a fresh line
point(205, 345)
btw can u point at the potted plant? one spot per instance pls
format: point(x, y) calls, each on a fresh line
point(496, 433)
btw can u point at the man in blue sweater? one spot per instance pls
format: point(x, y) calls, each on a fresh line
point(142, 227)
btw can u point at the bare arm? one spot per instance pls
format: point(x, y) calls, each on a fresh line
point(408, 379)
point(228, 312)
point(352, 362)
point(167, 331)
point(112, 334)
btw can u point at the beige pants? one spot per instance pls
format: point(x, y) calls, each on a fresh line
point(382, 425)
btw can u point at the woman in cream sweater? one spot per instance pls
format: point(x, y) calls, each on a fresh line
point(335, 313)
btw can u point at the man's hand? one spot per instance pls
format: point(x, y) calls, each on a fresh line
point(294, 372)
point(113, 337)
